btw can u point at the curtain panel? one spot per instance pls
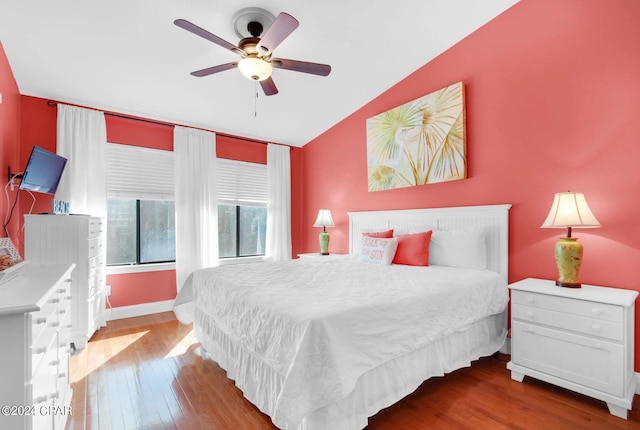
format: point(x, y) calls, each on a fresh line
point(278, 241)
point(195, 201)
point(81, 138)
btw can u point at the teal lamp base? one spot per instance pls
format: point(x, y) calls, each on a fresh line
point(324, 243)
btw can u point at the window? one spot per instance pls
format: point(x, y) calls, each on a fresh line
point(140, 231)
point(141, 210)
point(241, 230)
point(242, 208)
point(140, 207)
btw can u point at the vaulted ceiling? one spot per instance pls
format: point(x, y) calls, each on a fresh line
point(127, 56)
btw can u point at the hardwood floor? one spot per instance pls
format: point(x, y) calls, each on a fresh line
point(145, 373)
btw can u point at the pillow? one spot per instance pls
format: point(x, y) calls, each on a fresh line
point(413, 249)
point(459, 248)
point(378, 250)
point(385, 234)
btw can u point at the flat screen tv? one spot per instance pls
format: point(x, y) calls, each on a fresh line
point(43, 171)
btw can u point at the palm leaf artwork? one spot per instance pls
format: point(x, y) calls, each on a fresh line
point(421, 142)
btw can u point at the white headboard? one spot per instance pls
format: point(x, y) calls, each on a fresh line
point(493, 218)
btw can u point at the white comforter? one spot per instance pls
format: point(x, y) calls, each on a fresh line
point(321, 323)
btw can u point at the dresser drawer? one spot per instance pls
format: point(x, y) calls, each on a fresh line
point(564, 321)
point(601, 311)
point(95, 228)
point(584, 360)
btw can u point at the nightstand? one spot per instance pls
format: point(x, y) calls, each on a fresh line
point(318, 255)
point(577, 338)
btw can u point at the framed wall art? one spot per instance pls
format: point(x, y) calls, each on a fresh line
point(421, 142)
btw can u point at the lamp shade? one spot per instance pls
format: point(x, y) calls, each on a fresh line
point(570, 210)
point(255, 68)
point(324, 219)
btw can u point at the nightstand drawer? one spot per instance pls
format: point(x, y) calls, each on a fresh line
point(581, 359)
point(565, 321)
point(601, 311)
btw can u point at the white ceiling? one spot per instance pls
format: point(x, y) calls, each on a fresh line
point(127, 56)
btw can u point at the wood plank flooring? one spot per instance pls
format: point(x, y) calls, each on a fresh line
point(145, 373)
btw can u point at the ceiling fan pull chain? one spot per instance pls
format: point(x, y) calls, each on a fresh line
point(255, 100)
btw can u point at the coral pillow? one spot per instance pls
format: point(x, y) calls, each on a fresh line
point(386, 234)
point(413, 249)
point(378, 250)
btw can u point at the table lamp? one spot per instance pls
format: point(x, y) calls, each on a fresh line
point(324, 220)
point(569, 210)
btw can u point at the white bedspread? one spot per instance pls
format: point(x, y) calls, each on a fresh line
point(321, 323)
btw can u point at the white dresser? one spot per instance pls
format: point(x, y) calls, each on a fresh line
point(577, 338)
point(35, 392)
point(78, 239)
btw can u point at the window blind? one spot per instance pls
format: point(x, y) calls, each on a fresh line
point(139, 173)
point(242, 183)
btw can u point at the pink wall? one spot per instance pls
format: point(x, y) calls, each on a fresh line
point(9, 139)
point(552, 104)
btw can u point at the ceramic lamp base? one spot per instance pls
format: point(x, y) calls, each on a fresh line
point(568, 258)
point(324, 243)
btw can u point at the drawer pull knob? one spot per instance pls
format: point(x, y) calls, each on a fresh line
point(54, 362)
point(595, 311)
point(62, 375)
point(69, 280)
point(54, 395)
point(595, 327)
point(41, 320)
point(54, 300)
point(55, 324)
point(40, 350)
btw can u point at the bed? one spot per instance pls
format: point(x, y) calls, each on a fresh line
point(327, 342)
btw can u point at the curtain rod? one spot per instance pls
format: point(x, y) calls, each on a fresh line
point(167, 124)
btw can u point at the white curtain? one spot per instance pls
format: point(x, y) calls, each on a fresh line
point(82, 139)
point(278, 241)
point(195, 201)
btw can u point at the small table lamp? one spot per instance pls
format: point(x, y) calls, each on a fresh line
point(324, 220)
point(569, 210)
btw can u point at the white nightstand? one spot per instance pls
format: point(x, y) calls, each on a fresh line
point(577, 338)
point(318, 255)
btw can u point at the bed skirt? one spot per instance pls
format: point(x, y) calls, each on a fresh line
point(376, 389)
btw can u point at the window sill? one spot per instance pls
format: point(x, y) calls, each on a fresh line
point(241, 260)
point(140, 268)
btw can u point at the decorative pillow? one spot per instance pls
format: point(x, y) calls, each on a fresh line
point(386, 234)
point(413, 249)
point(459, 248)
point(378, 250)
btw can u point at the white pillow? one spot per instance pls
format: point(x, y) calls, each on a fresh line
point(378, 250)
point(458, 248)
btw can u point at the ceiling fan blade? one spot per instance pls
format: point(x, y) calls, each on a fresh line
point(215, 69)
point(301, 66)
point(198, 31)
point(269, 87)
point(282, 27)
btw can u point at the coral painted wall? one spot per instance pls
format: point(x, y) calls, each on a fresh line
point(9, 139)
point(552, 104)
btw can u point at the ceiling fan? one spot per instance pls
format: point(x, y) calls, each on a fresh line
point(256, 51)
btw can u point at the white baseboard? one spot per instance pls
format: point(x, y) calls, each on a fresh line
point(139, 310)
point(637, 383)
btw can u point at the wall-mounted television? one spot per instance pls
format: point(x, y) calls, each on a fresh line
point(43, 172)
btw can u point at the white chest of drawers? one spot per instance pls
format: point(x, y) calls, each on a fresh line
point(35, 392)
point(577, 338)
point(77, 239)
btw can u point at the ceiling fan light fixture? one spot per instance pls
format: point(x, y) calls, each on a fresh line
point(255, 68)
